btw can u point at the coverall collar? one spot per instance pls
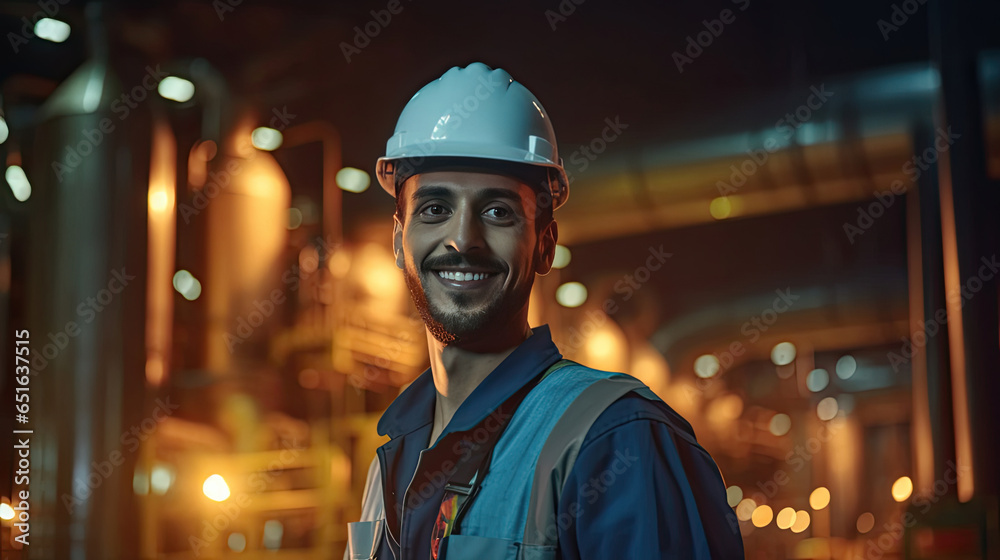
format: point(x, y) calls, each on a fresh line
point(414, 407)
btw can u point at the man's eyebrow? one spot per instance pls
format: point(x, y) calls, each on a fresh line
point(432, 191)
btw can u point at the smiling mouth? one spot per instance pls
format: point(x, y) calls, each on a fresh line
point(463, 280)
point(464, 276)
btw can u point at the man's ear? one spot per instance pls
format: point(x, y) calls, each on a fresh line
point(397, 241)
point(547, 248)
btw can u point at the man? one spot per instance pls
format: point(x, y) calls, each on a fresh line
point(502, 449)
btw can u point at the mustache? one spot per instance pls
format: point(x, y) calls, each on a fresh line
point(456, 260)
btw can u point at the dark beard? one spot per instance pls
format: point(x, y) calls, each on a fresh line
point(456, 328)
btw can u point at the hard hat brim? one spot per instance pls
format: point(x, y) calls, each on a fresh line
point(393, 171)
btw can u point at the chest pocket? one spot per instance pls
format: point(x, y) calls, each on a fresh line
point(471, 547)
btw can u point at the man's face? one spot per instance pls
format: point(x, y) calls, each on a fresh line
point(469, 252)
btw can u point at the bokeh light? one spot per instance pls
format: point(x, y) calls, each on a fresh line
point(707, 365)
point(846, 366)
point(801, 521)
point(783, 353)
point(762, 516)
point(827, 409)
point(562, 257)
point(820, 498)
point(902, 488)
point(780, 424)
point(817, 380)
point(733, 495)
point(215, 488)
point(866, 521)
point(745, 509)
point(571, 294)
point(785, 518)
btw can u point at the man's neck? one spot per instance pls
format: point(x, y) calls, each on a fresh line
point(458, 370)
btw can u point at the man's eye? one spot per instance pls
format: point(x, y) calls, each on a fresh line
point(499, 212)
point(430, 209)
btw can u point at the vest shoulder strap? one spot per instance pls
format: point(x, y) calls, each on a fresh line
point(561, 449)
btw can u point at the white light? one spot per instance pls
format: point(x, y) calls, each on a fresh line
point(183, 281)
point(187, 285)
point(215, 487)
point(706, 366)
point(783, 353)
point(273, 530)
point(52, 30)
point(18, 182)
point(265, 138)
point(237, 542)
point(4, 131)
point(140, 482)
point(827, 408)
point(571, 294)
point(817, 380)
point(780, 424)
point(294, 218)
point(194, 292)
point(6, 512)
point(353, 180)
point(562, 257)
point(744, 510)
point(846, 366)
point(176, 89)
point(734, 494)
point(161, 478)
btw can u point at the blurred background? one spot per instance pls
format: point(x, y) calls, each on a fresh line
point(783, 217)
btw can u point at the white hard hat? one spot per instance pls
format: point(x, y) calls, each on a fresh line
point(474, 117)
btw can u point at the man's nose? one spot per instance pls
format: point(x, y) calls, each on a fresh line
point(466, 232)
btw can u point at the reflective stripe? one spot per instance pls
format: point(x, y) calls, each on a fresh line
point(372, 506)
point(559, 454)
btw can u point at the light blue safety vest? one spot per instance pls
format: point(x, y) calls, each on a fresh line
point(514, 515)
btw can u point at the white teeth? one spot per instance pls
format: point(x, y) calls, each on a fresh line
point(462, 276)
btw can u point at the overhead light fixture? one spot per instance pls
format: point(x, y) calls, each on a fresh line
point(18, 182)
point(52, 30)
point(175, 89)
point(352, 179)
point(266, 138)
